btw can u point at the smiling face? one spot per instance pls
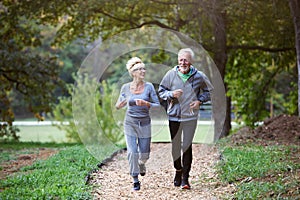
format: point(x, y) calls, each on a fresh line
point(139, 72)
point(184, 62)
point(136, 68)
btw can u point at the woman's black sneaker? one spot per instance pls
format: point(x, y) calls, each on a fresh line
point(136, 186)
point(142, 169)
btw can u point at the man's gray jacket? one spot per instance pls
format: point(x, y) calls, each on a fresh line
point(197, 87)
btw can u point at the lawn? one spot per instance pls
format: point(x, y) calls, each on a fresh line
point(261, 172)
point(42, 133)
point(61, 176)
point(204, 134)
point(160, 133)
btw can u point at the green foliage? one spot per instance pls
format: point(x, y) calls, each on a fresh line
point(62, 113)
point(8, 132)
point(10, 151)
point(251, 78)
point(30, 68)
point(62, 176)
point(292, 101)
point(6, 156)
point(250, 39)
point(89, 99)
point(104, 112)
point(28, 74)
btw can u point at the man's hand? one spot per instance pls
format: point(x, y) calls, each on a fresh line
point(195, 104)
point(177, 93)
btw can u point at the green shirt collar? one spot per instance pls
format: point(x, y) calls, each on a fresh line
point(185, 77)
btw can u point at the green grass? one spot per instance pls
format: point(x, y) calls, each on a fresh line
point(203, 134)
point(45, 133)
point(25, 145)
point(277, 189)
point(11, 150)
point(62, 176)
point(253, 161)
point(160, 133)
point(269, 171)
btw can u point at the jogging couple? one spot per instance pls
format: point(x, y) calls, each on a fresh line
point(185, 89)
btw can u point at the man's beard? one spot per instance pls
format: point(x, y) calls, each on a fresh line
point(184, 69)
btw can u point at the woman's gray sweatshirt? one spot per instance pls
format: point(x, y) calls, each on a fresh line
point(148, 94)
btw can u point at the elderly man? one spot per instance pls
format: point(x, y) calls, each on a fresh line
point(185, 89)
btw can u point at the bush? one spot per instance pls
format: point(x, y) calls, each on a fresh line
point(89, 112)
point(8, 132)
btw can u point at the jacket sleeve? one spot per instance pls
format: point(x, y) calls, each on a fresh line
point(164, 90)
point(206, 87)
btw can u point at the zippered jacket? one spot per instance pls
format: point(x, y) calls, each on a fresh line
point(197, 87)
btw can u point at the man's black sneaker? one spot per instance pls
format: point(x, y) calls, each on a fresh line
point(177, 179)
point(185, 184)
point(136, 186)
point(142, 169)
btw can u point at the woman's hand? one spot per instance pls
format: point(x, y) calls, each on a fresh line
point(121, 104)
point(141, 102)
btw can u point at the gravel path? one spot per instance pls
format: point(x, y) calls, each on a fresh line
point(113, 181)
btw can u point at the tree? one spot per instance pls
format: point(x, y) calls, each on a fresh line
point(295, 12)
point(220, 55)
point(258, 54)
point(33, 75)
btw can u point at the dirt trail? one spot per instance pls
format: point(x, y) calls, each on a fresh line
point(112, 181)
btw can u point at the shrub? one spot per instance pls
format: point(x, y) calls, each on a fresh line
point(89, 111)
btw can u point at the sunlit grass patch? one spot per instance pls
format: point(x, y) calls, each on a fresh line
point(260, 172)
point(62, 176)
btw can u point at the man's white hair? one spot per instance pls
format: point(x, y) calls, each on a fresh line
point(187, 50)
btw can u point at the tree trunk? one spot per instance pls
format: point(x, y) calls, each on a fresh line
point(220, 58)
point(295, 12)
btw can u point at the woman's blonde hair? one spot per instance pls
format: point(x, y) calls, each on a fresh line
point(134, 63)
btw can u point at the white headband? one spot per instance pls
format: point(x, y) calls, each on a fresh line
point(136, 66)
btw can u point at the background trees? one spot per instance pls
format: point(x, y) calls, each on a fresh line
point(251, 42)
point(26, 75)
point(260, 31)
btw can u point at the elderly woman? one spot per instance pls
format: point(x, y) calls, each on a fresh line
point(139, 96)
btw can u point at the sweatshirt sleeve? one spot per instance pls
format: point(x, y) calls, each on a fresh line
point(154, 99)
point(164, 90)
point(206, 87)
